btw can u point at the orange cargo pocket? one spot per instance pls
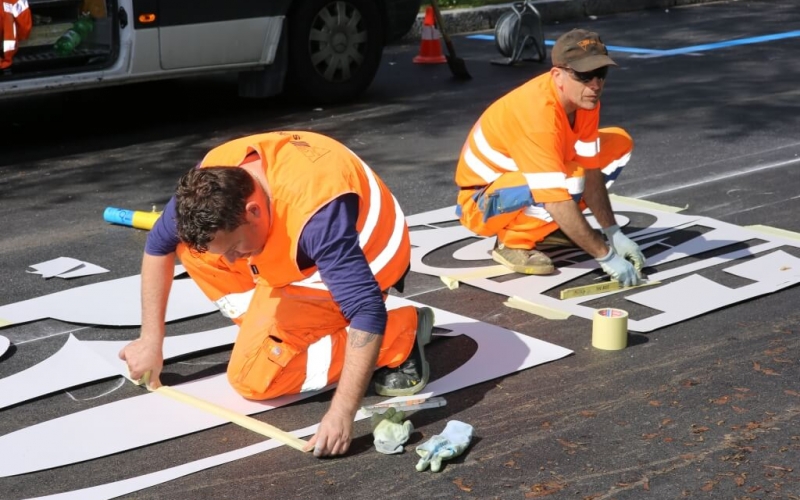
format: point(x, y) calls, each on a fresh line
point(265, 364)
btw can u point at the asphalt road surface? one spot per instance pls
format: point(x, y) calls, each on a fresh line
point(706, 408)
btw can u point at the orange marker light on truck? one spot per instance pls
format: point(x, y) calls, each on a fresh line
point(147, 18)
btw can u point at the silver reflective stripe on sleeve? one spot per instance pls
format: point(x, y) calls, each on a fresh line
point(481, 169)
point(587, 149)
point(234, 305)
point(546, 180)
point(492, 154)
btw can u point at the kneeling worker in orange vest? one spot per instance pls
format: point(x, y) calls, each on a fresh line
point(298, 242)
point(536, 159)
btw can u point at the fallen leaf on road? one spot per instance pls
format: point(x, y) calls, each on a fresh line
point(778, 467)
point(654, 402)
point(791, 392)
point(460, 483)
point(721, 401)
point(650, 436)
point(688, 382)
point(698, 429)
point(740, 479)
point(566, 444)
point(588, 413)
point(544, 489)
point(708, 486)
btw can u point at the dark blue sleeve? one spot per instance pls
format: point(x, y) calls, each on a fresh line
point(163, 238)
point(330, 241)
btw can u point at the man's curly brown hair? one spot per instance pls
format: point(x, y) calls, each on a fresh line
point(208, 200)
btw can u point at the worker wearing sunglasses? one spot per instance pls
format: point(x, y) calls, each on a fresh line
point(536, 159)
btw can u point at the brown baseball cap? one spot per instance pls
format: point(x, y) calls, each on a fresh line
point(580, 50)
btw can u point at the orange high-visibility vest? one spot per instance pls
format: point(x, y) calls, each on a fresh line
point(304, 172)
point(527, 131)
point(17, 23)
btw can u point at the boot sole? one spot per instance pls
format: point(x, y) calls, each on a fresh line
point(535, 270)
point(425, 321)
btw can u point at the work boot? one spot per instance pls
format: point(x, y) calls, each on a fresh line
point(522, 261)
point(412, 375)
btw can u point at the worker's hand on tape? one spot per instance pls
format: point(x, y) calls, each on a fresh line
point(390, 431)
point(619, 269)
point(450, 443)
point(625, 246)
point(143, 356)
point(333, 434)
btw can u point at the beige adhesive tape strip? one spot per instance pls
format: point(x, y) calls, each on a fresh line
point(775, 231)
point(486, 272)
point(537, 309)
point(610, 329)
point(237, 418)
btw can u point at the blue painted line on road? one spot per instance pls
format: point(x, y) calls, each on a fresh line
point(683, 50)
point(730, 43)
point(611, 48)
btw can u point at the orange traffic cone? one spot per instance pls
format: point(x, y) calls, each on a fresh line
point(430, 49)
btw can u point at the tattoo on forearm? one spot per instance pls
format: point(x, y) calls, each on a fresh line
point(360, 338)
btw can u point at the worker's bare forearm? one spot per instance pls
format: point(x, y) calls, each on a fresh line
point(596, 196)
point(361, 354)
point(157, 276)
point(569, 218)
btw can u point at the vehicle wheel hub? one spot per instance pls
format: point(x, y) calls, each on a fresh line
point(337, 41)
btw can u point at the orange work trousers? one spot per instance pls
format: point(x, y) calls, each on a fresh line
point(291, 339)
point(512, 226)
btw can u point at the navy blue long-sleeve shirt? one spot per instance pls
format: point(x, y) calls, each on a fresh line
point(329, 241)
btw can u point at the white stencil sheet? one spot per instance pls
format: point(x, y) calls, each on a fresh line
point(111, 303)
point(718, 235)
point(82, 361)
point(114, 427)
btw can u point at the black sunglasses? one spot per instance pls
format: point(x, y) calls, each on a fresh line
point(587, 76)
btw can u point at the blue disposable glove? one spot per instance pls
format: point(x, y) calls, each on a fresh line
point(450, 443)
point(390, 431)
point(624, 246)
point(619, 269)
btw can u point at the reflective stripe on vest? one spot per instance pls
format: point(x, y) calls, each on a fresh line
point(392, 246)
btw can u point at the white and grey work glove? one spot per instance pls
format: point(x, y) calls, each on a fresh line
point(619, 269)
point(625, 246)
point(390, 431)
point(452, 442)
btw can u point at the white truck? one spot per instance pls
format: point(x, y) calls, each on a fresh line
point(328, 50)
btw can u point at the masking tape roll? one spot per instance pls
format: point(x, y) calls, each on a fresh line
point(610, 329)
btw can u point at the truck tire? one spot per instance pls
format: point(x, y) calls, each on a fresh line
point(335, 48)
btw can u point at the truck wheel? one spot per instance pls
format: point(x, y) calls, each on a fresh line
point(335, 48)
